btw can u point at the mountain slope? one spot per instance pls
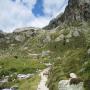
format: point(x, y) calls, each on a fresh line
point(66, 45)
point(77, 10)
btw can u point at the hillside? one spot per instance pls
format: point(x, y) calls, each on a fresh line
point(65, 43)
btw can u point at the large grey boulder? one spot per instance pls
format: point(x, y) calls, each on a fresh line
point(64, 85)
point(20, 38)
point(74, 83)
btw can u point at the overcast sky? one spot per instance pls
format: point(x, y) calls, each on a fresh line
point(25, 13)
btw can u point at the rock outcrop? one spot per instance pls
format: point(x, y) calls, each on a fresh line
point(74, 83)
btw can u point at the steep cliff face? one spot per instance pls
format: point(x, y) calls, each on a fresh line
point(76, 10)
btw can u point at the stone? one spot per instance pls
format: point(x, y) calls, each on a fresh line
point(25, 48)
point(14, 88)
point(20, 38)
point(69, 35)
point(60, 38)
point(34, 56)
point(84, 1)
point(73, 83)
point(25, 29)
point(88, 51)
point(47, 39)
point(6, 89)
point(76, 33)
point(24, 76)
point(73, 75)
point(67, 40)
point(64, 85)
point(4, 81)
point(45, 53)
point(12, 45)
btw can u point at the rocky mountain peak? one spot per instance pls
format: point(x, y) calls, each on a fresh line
point(76, 10)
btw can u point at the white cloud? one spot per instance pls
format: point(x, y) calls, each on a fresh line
point(54, 7)
point(14, 15)
point(40, 22)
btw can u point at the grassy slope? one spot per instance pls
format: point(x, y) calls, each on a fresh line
point(15, 60)
point(12, 66)
point(27, 84)
point(19, 65)
point(73, 58)
point(30, 84)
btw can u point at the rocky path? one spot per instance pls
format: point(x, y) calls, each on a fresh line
point(44, 76)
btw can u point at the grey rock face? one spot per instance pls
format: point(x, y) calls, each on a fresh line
point(76, 10)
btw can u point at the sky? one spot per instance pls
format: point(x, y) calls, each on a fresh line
point(28, 13)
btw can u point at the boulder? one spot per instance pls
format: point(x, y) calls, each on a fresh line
point(73, 75)
point(20, 38)
point(88, 51)
point(73, 83)
point(76, 33)
point(60, 38)
point(65, 85)
point(24, 76)
point(47, 39)
point(67, 40)
point(45, 53)
point(69, 35)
